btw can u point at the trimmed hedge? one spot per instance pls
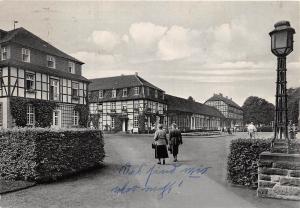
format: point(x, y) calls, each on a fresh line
point(243, 158)
point(242, 161)
point(43, 154)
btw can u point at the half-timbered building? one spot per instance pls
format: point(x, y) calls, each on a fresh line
point(126, 103)
point(231, 110)
point(36, 74)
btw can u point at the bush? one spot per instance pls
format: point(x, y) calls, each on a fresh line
point(41, 155)
point(243, 157)
point(242, 160)
point(265, 129)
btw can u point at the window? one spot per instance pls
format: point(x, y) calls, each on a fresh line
point(71, 67)
point(136, 104)
point(135, 121)
point(75, 118)
point(30, 115)
point(112, 125)
point(56, 118)
point(124, 92)
point(156, 94)
point(4, 53)
point(25, 55)
point(54, 89)
point(113, 106)
point(30, 82)
point(148, 91)
point(51, 62)
point(75, 89)
point(136, 90)
point(100, 93)
point(114, 93)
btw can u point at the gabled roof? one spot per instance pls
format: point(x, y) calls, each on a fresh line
point(219, 97)
point(42, 69)
point(119, 82)
point(184, 105)
point(28, 39)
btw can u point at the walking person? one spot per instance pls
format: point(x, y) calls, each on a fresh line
point(175, 139)
point(160, 138)
point(251, 130)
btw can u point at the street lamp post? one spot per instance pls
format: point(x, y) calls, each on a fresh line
point(281, 46)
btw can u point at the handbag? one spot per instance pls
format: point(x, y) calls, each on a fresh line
point(153, 145)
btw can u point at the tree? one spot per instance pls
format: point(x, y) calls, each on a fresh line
point(258, 111)
point(293, 104)
point(190, 98)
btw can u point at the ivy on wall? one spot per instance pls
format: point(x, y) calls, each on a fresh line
point(94, 118)
point(118, 123)
point(43, 111)
point(141, 120)
point(84, 115)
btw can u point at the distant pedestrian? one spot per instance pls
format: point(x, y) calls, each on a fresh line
point(251, 130)
point(228, 130)
point(160, 138)
point(175, 139)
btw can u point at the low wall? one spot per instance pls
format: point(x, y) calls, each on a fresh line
point(44, 154)
point(279, 176)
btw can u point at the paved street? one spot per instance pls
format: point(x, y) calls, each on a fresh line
point(184, 185)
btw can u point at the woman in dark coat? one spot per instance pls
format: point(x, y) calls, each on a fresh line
point(175, 139)
point(160, 138)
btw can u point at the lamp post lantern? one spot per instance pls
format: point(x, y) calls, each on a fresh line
point(281, 46)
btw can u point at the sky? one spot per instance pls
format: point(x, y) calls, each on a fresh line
point(185, 48)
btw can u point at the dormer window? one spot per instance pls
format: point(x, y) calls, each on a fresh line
point(136, 90)
point(25, 55)
point(100, 93)
point(114, 93)
point(124, 92)
point(71, 67)
point(4, 53)
point(51, 62)
point(156, 94)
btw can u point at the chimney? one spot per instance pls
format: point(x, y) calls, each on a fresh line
point(221, 94)
point(226, 97)
point(136, 74)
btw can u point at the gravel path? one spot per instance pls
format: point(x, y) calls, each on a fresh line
point(188, 184)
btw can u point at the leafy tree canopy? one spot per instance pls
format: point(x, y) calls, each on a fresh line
point(258, 111)
point(293, 104)
point(190, 98)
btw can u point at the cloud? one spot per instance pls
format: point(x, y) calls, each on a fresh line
point(236, 41)
point(215, 79)
point(96, 59)
point(238, 65)
point(146, 34)
point(178, 43)
point(106, 40)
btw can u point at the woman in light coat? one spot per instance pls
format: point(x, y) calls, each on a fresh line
point(160, 138)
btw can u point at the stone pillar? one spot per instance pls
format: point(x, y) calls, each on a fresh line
point(279, 176)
